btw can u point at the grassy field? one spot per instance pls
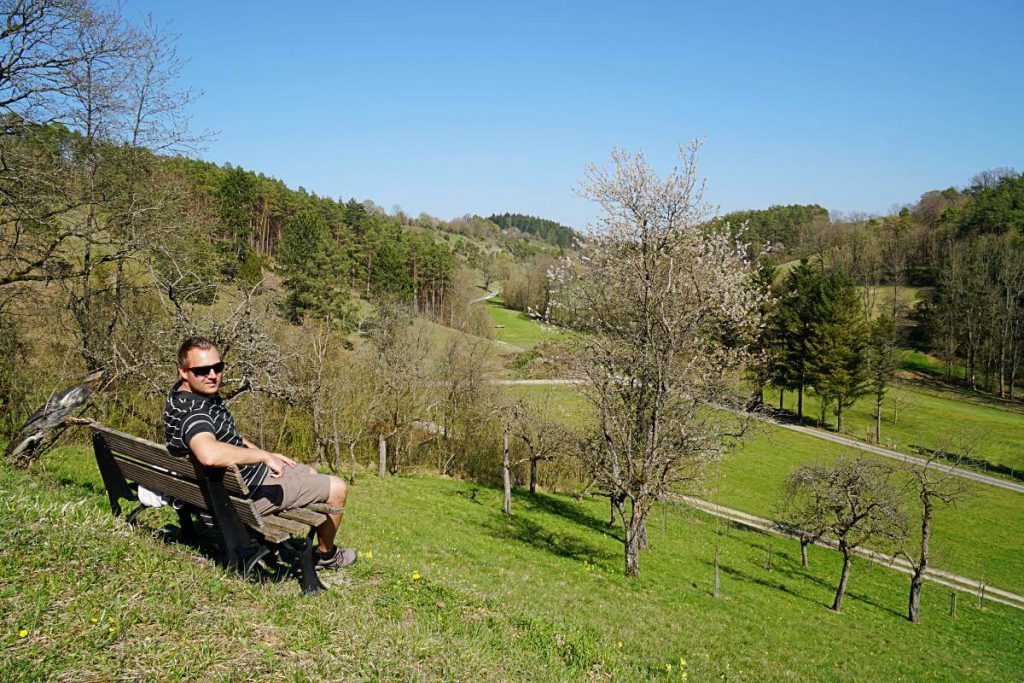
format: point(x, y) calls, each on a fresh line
point(519, 329)
point(539, 596)
point(992, 430)
point(980, 538)
point(934, 368)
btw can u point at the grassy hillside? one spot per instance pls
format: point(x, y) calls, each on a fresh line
point(519, 329)
point(980, 538)
point(539, 596)
point(992, 430)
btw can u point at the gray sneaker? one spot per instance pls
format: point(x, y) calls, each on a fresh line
point(336, 559)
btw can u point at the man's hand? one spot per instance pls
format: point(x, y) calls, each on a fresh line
point(276, 463)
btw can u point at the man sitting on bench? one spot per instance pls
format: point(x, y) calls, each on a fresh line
point(196, 420)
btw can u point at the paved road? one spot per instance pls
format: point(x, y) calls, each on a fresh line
point(896, 455)
point(943, 578)
point(490, 295)
point(835, 438)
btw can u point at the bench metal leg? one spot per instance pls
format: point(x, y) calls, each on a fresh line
point(187, 526)
point(113, 480)
point(131, 518)
point(248, 564)
point(310, 582)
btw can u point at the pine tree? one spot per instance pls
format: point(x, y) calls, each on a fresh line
point(837, 364)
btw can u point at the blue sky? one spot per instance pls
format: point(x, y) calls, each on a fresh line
point(454, 108)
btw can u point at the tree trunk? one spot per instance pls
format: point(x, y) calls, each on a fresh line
point(803, 552)
point(800, 404)
point(352, 459)
point(782, 399)
point(914, 604)
point(533, 476)
point(635, 529)
point(895, 401)
point(878, 420)
point(382, 449)
point(914, 608)
point(506, 474)
point(837, 604)
point(839, 415)
point(644, 545)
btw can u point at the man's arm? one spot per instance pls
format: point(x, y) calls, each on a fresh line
point(213, 453)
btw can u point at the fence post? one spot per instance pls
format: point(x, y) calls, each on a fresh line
point(952, 604)
point(717, 591)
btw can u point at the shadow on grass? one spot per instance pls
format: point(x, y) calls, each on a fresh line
point(94, 489)
point(786, 564)
point(543, 502)
point(519, 528)
point(961, 460)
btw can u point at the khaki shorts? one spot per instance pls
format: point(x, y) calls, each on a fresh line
point(297, 487)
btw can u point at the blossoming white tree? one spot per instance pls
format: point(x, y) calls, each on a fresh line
point(665, 307)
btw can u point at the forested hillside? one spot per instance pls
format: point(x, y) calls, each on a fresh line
point(549, 231)
point(786, 228)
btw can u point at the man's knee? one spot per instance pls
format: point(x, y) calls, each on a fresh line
point(339, 491)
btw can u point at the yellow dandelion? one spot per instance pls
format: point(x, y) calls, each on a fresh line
point(22, 633)
point(368, 555)
point(668, 667)
point(619, 644)
point(415, 576)
point(110, 630)
point(110, 619)
point(682, 662)
point(95, 620)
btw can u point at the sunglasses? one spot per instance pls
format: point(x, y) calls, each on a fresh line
point(204, 370)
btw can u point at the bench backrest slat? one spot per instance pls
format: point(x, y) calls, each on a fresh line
point(177, 487)
point(151, 453)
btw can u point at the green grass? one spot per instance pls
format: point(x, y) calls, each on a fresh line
point(519, 329)
point(907, 298)
point(980, 538)
point(440, 335)
point(539, 596)
point(932, 368)
point(932, 417)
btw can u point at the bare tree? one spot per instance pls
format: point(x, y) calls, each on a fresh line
point(934, 488)
point(853, 500)
point(400, 377)
point(543, 437)
point(668, 309)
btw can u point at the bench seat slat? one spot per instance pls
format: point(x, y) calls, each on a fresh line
point(183, 489)
point(303, 516)
point(152, 453)
point(273, 533)
point(295, 528)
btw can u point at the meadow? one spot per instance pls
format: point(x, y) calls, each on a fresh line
point(539, 595)
point(979, 538)
point(985, 430)
point(518, 329)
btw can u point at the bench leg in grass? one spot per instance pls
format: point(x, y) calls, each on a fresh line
point(115, 483)
point(299, 552)
point(187, 526)
point(133, 515)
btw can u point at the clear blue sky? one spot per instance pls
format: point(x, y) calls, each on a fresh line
point(454, 108)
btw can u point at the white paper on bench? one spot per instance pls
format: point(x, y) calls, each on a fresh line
point(152, 499)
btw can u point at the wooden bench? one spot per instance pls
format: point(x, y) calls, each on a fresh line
point(126, 462)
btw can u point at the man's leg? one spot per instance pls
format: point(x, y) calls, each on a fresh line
point(326, 531)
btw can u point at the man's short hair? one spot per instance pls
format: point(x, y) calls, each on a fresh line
point(193, 343)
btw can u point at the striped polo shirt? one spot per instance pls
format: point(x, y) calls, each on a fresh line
point(187, 414)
